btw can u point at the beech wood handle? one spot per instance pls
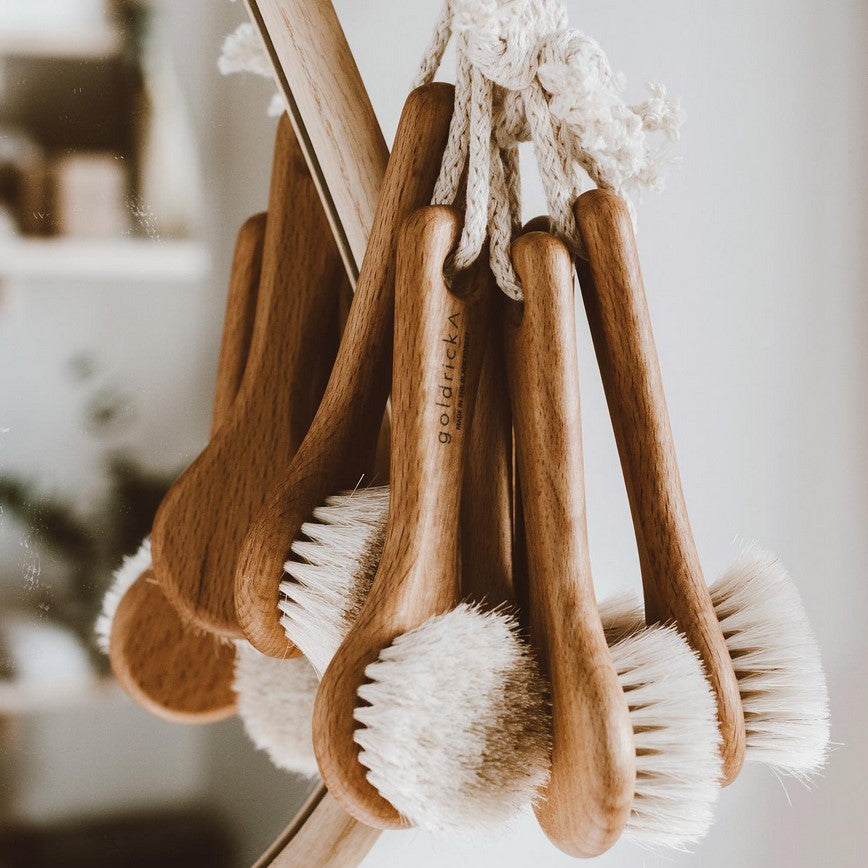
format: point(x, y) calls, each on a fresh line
point(338, 450)
point(203, 519)
point(487, 494)
point(239, 316)
point(435, 377)
point(323, 835)
point(675, 589)
point(588, 799)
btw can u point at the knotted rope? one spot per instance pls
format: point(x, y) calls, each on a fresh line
point(524, 75)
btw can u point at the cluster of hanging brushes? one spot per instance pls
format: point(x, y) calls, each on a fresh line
point(456, 665)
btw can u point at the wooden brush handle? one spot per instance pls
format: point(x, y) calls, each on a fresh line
point(331, 113)
point(239, 317)
point(203, 519)
point(675, 589)
point(433, 384)
point(339, 448)
point(487, 494)
point(176, 672)
point(587, 801)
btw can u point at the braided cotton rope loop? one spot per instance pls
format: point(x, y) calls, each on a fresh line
point(524, 75)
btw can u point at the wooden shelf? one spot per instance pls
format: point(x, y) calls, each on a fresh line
point(84, 44)
point(128, 259)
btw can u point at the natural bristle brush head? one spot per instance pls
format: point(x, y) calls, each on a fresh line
point(455, 729)
point(750, 627)
point(123, 578)
point(330, 570)
point(675, 733)
point(775, 655)
point(777, 662)
point(275, 701)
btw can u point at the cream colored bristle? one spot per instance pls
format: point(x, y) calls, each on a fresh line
point(674, 718)
point(455, 729)
point(275, 702)
point(330, 570)
point(122, 579)
point(777, 661)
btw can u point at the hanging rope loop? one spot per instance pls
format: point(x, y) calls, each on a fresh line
point(524, 75)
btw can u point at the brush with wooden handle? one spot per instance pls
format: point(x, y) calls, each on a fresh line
point(430, 759)
point(750, 627)
point(202, 521)
point(337, 451)
point(435, 374)
point(634, 740)
point(176, 671)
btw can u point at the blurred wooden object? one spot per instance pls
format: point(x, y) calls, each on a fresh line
point(177, 672)
point(203, 520)
point(323, 834)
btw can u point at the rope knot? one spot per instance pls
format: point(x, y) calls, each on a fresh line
point(524, 74)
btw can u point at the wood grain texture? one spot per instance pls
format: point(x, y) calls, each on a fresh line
point(675, 589)
point(238, 319)
point(176, 672)
point(338, 451)
point(321, 835)
point(203, 519)
point(331, 113)
point(487, 492)
point(587, 801)
point(435, 376)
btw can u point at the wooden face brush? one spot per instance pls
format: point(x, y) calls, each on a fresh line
point(338, 449)
point(202, 521)
point(672, 737)
point(434, 380)
point(455, 728)
point(176, 671)
point(750, 628)
point(587, 801)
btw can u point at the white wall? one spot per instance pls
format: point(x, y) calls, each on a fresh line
point(755, 270)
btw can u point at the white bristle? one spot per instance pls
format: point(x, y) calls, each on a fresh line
point(450, 753)
point(674, 718)
point(777, 661)
point(123, 577)
point(275, 703)
point(456, 730)
point(330, 571)
point(622, 616)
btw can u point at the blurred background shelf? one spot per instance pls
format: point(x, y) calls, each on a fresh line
point(18, 698)
point(83, 44)
point(127, 259)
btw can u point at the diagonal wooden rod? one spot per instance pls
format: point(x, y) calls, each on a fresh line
point(331, 113)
